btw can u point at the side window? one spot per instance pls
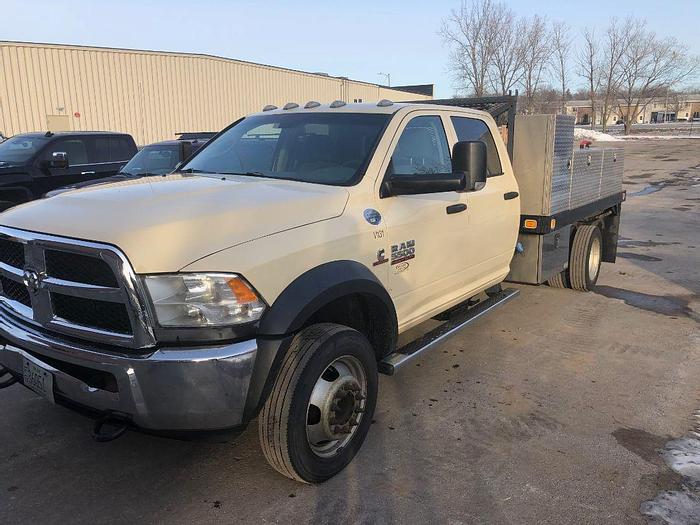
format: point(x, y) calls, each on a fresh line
point(100, 149)
point(120, 149)
point(422, 148)
point(75, 148)
point(474, 129)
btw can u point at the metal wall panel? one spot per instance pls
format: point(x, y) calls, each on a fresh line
point(152, 95)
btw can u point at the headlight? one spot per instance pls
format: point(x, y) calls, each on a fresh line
point(193, 300)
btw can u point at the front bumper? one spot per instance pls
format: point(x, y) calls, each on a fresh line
point(172, 389)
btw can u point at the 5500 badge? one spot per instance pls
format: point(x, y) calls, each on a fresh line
point(403, 252)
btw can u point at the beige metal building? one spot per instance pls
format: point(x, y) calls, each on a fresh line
point(153, 94)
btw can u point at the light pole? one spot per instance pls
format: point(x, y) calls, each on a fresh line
point(388, 78)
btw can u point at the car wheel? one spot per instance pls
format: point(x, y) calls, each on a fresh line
point(321, 406)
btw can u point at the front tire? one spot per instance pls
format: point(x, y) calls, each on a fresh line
point(586, 256)
point(321, 406)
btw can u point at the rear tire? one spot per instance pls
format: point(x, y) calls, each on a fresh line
point(585, 258)
point(321, 406)
point(560, 280)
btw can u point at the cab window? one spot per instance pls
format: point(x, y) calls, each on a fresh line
point(473, 129)
point(422, 148)
point(74, 148)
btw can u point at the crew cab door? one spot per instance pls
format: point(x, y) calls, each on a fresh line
point(427, 233)
point(493, 210)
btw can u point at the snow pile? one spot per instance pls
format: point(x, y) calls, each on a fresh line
point(591, 134)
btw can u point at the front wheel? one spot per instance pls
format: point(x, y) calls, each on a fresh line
point(320, 408)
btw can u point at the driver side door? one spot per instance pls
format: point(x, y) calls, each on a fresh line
point(426, 232)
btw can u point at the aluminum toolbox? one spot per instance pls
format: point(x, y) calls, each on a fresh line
point(586, 172)
point(611, 176)
point(542, 154)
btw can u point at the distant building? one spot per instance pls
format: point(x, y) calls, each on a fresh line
point(152, 94)
point(680, 108)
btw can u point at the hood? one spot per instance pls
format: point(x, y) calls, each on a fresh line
point(165, 223)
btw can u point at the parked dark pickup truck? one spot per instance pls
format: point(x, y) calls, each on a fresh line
point(32, 164)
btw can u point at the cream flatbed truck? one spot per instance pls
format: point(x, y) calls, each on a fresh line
point(271, 275)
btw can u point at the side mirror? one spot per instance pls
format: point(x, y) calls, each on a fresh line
point(59, 160)
point(469, 157)
point(421, 183)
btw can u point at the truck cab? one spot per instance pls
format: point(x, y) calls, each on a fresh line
point(269, 277)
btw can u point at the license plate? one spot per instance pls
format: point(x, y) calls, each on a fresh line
point(38, 379)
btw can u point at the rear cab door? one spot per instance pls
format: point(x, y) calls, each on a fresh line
point(108, 154)
point(494, 208)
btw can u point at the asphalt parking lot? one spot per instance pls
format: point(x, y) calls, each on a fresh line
point(549, 411)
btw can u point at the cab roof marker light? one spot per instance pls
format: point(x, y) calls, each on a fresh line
point(269, 107)
point(385, 102)
point(290, 105)
point(338, 103)
point(311, 104)
point(530, 224)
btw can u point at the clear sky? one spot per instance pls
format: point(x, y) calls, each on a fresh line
point(356, 39)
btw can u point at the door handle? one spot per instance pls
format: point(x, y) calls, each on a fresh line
point(510, 195)
point(456, 208)
point(87, 172)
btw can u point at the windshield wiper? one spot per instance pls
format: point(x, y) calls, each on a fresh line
point(248, 174)
point(194, 170)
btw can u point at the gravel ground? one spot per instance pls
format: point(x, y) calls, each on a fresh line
point(552, 410)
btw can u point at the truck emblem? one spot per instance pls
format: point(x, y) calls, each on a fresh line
point(32, 280)
point(403, 252)
point(372, 216)
point(381, 258)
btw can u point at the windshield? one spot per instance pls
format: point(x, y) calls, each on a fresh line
point(158, 159)
point(324, 148)
point(18, 150)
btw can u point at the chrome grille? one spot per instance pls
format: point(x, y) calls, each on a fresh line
point(83, 289)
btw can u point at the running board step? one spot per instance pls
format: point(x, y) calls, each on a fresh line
point(406, 353)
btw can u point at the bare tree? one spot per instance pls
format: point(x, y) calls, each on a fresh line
point(561, 47)
point(650, 66)
point(536, 53)
point(615, 44)
point(589, 68)
point(470, 32)
point(506, 69)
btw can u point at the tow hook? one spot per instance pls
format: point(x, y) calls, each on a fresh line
point(115, 429)
point(6, 378)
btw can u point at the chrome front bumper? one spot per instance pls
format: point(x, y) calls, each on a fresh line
point(172, 389)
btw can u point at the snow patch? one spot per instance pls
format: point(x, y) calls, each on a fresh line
point(591, 134)
point(673, 507)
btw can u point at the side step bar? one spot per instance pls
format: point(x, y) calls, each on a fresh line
point(462, 318)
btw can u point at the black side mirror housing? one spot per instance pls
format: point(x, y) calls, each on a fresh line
point(422, 183)
point(59, 160)
point(469, 157)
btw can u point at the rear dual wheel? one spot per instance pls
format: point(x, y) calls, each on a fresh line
point(320, 409)
point(584, 260)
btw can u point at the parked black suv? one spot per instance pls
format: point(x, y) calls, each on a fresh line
point(32, 164)
point(158, 158)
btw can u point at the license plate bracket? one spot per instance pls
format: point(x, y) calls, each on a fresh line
point(38, 379)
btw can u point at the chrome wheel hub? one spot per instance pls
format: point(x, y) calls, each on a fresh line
point(594, 257)
point(336, 406)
